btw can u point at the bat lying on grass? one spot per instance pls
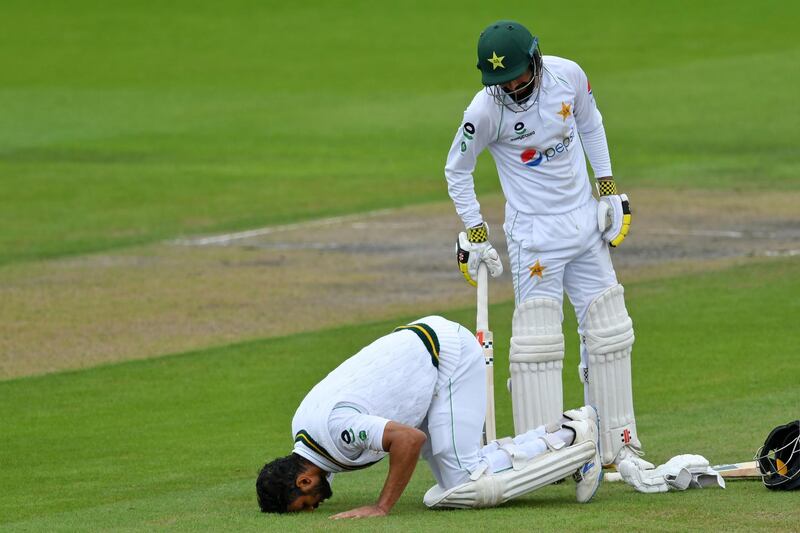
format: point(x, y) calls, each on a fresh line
point(748, 470)
point(731, 472)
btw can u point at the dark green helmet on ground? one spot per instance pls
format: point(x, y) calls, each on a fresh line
point(505, 49)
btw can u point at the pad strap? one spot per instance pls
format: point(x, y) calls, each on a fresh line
point(553, 442)
point(518, 456)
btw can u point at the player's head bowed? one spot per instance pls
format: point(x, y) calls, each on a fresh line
point(290, 484)
point(510, 63)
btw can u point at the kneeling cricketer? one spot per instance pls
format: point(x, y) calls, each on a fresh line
point(421, 390)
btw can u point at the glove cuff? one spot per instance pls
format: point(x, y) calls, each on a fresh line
point(606, 187)
point(478, 234)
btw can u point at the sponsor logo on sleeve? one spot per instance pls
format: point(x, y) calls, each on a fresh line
point(348, 436)
point(468, 131)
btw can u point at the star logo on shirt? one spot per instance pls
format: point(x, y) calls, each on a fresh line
point(497, 62)
point(537, 270)
point(565, 110)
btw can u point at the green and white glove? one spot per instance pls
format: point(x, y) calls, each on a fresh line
point(472, 247)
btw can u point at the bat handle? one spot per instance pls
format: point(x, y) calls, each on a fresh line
point(482, 319)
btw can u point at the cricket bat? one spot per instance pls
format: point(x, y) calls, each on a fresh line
point(735, 471)
point(731, 472)
point(484, 335)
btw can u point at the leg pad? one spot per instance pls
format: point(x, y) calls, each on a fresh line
point(536, 362)
point(608, 338)
point(488, 489)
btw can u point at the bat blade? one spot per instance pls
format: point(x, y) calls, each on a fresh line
point(735, 471)
point(485, 338)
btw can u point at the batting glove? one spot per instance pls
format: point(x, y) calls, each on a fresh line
point(613, 213)
point(472, 247)
point(679, 473)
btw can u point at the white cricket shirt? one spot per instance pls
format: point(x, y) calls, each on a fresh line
point(538, 153)
point(339, 424)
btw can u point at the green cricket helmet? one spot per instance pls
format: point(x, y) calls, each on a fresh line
point(505, 49)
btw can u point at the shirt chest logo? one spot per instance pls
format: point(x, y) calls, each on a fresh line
point(531, 157)
point(566, 110)
point(520, 132)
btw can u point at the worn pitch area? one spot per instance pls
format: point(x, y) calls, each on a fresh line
point(197, 292)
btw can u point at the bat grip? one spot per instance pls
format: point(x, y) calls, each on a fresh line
point(482, 319)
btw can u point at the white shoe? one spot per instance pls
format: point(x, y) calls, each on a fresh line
point(586, 412)
point(590, 474)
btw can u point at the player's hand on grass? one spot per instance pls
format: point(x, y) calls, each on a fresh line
point(613, 212)
point(473, 247)
point(361, 512)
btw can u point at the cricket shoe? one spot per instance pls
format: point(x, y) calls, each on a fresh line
point(584, 422)
point(586, 412)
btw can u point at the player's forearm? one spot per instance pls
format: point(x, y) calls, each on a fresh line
point(404, 450)
point(459, 174)
point(461, 188)
point(596, 147)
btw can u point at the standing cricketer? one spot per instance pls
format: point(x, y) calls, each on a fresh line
point(538, 118)
point(422, 390)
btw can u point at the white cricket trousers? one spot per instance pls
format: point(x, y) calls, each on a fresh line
point(454, 422)
point(551, 254)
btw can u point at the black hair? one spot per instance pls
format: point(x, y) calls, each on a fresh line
point(276, 486)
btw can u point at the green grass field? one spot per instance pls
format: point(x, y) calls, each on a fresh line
point(142, 120)
point(178, 441)
point(138, 121)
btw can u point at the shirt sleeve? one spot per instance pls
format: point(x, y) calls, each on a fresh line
point(590, 126)
point(354, 432)
point(472, 137)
